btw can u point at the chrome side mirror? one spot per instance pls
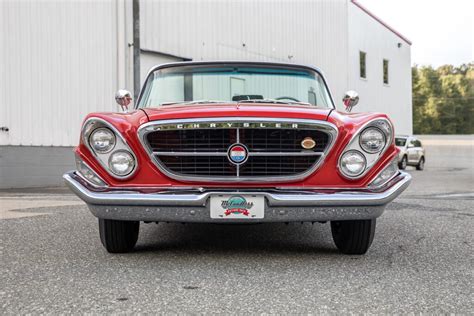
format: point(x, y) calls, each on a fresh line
point(350, 99)
point(123, 98)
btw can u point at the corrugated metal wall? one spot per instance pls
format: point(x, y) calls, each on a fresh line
point(395, 99)
point(61, 60)
point(58, 62)
point(311, 32)
point(324, 33)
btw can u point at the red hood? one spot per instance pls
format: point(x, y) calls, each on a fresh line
point(238, 110)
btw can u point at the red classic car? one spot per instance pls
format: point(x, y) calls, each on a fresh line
point(236, 142)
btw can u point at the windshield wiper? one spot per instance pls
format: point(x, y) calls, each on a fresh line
point(193, 102)
point(272, 101)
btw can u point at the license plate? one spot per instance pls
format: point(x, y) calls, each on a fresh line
point(237, 206)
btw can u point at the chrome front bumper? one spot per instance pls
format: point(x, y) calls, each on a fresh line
point(192, 205)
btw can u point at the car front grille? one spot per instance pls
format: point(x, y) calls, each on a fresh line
point(198, 150)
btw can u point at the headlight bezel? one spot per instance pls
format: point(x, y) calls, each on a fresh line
point(382, 124)
point(94, 123)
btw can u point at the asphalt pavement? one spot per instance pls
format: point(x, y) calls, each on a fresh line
point(51, 259)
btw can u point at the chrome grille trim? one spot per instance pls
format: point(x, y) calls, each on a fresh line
point(188, 153)
point(237, 123)
point(203, 153)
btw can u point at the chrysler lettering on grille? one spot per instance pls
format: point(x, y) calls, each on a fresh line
point(226, 125)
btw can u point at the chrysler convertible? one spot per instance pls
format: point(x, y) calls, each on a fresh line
point(236, 142)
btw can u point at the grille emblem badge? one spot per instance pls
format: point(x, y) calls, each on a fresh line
point(237, 154)
point(308, 143)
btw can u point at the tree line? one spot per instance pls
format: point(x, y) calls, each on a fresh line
point(443, 99)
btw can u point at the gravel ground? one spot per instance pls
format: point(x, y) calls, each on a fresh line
point(421, 259)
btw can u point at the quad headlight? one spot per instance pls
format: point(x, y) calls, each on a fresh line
point(109, 148)
point(365, 148)
point(372, 140)
point(353, 163)
point(121, 162)
point(102, 140)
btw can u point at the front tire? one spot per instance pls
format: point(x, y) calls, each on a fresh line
point(421, 164)
point(118, 236)
point(353, 237)
point(403, 164)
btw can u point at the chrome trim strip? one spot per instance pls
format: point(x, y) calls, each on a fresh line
point(221, 153)
point(303, 153)
point(189, 153)
point(230, 122)
point(226, 122)
point(87, 129)
point(237, 166)
point(361, 197)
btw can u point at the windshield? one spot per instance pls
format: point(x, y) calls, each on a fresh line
point(400, 142)
point(193, 84)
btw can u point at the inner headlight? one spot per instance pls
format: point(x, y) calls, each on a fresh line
point(353, 163)
point(121, 162)
point(102, 140)
point(372, 140)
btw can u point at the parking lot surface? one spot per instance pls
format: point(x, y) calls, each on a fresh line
point(51, 259)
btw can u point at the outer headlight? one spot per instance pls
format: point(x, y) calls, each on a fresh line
point(121, 162)
point(102, 140)
point(353, 163)
point(372, 140)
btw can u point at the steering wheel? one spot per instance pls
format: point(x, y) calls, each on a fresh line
point(288, 98)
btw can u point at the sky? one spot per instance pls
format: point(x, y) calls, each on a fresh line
point(442, 32)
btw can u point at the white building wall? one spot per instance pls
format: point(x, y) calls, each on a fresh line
point(395, 99)
point(309, 32)
point(327, 34)
point(58, 62)
point(62, 60)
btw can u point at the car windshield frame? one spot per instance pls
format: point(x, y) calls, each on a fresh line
point(281, 66)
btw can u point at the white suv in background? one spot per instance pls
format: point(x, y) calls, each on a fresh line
point(411, 153)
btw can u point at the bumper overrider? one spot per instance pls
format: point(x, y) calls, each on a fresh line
point(193, 204)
